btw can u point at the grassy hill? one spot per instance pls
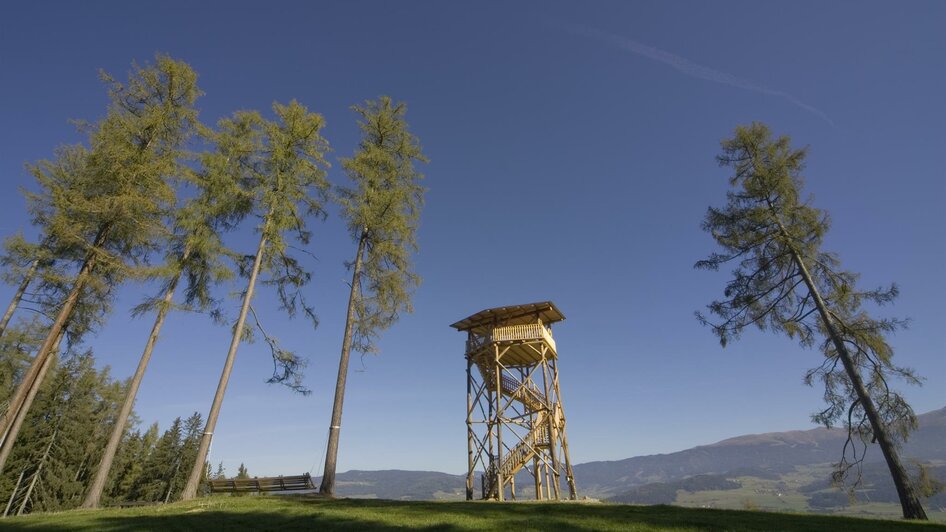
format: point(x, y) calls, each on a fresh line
point(806, 489)
point(780, 472)
point(313, 513)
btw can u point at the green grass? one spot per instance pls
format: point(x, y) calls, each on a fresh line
point(755, 494)
point(783, 495)
point(312, 513)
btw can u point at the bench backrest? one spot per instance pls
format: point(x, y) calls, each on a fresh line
point(234, 485)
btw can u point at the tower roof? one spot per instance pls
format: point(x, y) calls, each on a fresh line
point(512, 315)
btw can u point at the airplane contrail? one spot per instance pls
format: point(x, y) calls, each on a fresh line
point(689, 68)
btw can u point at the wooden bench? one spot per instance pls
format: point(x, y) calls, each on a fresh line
point(263, 484)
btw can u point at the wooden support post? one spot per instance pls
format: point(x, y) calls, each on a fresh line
point(535, 474)
point(569, 474)
point(553, 487)
point(470, 434)
point(490, 437)
point(499, 425)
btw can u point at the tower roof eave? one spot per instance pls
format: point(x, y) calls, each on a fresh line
point(511, 315)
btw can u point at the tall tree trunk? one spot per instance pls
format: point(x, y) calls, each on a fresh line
point(27, 279)
point(909, 501)
point(331, 454)
point(101, 476)
point(16, 402)
point(190, 489)
point(10, 438)
point(39, 469)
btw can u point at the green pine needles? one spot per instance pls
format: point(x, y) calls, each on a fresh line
point(783, 281)
point(279, 167)
point(383, 207)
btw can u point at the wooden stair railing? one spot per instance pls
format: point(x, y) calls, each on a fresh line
point(517, 458)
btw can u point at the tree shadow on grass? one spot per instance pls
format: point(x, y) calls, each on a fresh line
point(587, 517)
point(306, 513)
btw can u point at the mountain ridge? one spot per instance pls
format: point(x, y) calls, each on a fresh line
point(768, 457)
point(772, 451)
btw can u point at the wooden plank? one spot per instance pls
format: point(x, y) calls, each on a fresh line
point(287, 483)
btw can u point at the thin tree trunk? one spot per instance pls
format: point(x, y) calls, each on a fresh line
point(190, 489)
point(79, 471)
point(909, 502)
point(13, 494)
point(7, 447)
point(331, 454)
point(27, 279)
point(105, 466)
point(39, 469)
point(177, 468)
point(57, 327)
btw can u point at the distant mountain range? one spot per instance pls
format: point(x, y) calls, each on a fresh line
point(795, 462)
point(752, 455)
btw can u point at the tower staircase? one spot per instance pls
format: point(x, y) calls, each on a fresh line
point(528, 395)
point(519, 456)
point(530, 445)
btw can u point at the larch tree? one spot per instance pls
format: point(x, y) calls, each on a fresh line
point(25, 278)
point(784, 281)
point(106, 204)
point(52, 282)
point(29, 264)
point(16, 346)
point(281, 165)
point(195, 252)
point(90, 309)
point(19, 417)
point(382, 209)
point(23, 260)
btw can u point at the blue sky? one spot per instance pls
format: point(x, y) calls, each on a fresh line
point(572, 159)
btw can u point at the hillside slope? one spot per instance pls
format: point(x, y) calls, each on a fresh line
point(752, 455)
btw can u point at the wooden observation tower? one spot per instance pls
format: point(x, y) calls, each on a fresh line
point(514, 414)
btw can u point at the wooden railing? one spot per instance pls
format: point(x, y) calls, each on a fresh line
point(529, 331)
point(529, 395)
